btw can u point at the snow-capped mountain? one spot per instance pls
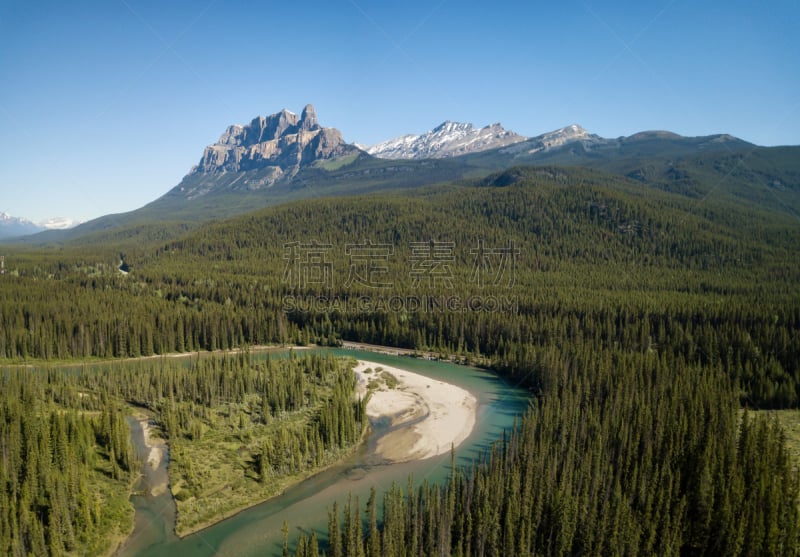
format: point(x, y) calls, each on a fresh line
point(555, 139)
point(449, 139)
point(16, 227)
point(59, 223)
point(12, 227)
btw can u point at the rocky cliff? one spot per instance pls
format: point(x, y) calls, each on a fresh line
point(279, 144)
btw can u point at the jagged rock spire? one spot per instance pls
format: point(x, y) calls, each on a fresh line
point(308, 119)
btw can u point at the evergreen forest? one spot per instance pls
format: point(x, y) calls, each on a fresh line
point(649, 328)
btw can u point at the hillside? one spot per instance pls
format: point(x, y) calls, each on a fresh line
point(695, 167)
point(586, 239)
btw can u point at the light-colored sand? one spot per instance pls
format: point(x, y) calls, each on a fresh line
point(157, 447)
point(427, 416)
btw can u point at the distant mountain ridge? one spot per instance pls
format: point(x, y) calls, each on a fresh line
point(15, 227)
point(285, 157)
point(555, 139)
point(12, 227)
point(575, 145)
point(448, 139)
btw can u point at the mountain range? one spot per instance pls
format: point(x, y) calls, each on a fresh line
point(14, 227)
point(284, 157)
point(449, 139)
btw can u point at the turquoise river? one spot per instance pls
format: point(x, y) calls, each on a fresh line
point(257, 530)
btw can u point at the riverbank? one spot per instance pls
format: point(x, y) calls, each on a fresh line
point(427, 417)
point(258, 530)
point(157, 448)
point(286, 483)
point(117, 541)
point(468, 360)
point(94, 361)
point(239, 451)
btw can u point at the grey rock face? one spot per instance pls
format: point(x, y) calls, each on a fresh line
point(283, 140)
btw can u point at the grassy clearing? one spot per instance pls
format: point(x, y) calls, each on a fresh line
point(224, 471)
point(790, 422)
point(336, 164)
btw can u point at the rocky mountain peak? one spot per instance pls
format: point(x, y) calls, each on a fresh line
point(308, 119)
point(448, 127)
point(448, 139)
point(564, 135)
point(232, 135)
point(276, 146)
point(271, 127)
point(556, 138)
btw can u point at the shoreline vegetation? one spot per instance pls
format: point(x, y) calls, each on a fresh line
point(254, 349)
point(290, 482)
point(427, 418)
point(124, 529)
point(241, 430)
point(459, 359)
point(416, 407)
point(66, 462)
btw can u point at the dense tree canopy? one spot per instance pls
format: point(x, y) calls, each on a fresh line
point(620, 454)
point(640, 320)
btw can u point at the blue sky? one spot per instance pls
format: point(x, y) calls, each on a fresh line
point(105, 105)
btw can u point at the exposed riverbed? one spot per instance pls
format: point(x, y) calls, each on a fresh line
point(257, 531)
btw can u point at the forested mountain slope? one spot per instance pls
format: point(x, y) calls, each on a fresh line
point(599, 257)
point(640, 319)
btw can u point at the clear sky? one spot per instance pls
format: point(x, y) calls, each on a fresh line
point(105, 105)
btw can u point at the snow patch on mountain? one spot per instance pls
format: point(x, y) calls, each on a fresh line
point(554, 139)
point(59, 223)
point(13, 227)
point(449, 139)
point(6, 218)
